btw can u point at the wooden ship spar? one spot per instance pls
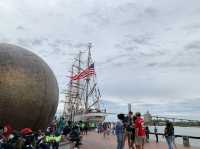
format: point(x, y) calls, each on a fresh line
point(82, 97)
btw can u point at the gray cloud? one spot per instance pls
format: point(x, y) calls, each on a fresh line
point(146, 51)
point(153, 64)
point(168, 109)
point(23, 42)
point(194, 45)
point(20, 27)
point(97, 17)
point(115, 58)
point(37, 42)
point(152, 12)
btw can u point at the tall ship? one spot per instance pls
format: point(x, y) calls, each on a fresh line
point(82, 96)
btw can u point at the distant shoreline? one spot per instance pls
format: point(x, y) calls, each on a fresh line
point(177, 126)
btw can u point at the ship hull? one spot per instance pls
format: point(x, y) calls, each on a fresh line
point(90, 117)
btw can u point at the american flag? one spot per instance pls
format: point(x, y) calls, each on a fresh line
point(84, 73)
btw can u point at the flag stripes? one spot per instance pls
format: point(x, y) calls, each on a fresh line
point(84, 73)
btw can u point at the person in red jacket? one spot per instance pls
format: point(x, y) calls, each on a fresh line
point(139, 131)
point(7, 130)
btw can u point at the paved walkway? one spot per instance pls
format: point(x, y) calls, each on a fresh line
point(96, 141)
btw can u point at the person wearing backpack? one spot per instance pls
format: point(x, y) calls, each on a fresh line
point(169, 132)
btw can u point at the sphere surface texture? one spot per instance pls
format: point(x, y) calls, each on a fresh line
point(28, 89)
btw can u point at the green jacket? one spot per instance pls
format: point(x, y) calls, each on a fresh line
point(53, 138)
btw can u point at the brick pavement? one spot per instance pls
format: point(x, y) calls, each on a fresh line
point(96, 141)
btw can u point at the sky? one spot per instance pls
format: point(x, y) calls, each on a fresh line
point(147, 52)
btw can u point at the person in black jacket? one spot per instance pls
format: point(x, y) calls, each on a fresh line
point(156, 133)
point(169, 132)
point(74, 136)
point(147, 131)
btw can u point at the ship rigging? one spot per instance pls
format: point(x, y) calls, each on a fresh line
point(82, 97)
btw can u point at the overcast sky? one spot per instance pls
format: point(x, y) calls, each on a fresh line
point(147, 52)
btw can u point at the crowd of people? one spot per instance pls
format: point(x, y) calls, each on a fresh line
point(50, 138)
point(131, 129)
point(105, 128)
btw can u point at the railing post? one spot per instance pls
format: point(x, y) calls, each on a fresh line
point(186, 141)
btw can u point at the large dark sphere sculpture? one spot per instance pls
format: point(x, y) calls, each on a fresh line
point(28, 89)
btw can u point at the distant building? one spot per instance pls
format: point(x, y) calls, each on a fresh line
point(147, 117)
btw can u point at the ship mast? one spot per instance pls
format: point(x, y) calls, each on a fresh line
point(70, 95)
point(88, 78)
point(77, 101)
point(68, 103)
point(78, 83)
point(73, 95)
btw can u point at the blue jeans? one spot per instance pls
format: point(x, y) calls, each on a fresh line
point(120, 141)
point(169, 140)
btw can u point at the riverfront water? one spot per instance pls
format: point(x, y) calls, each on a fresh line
point(187, 131)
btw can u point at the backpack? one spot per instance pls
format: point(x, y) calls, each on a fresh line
point(169, 131)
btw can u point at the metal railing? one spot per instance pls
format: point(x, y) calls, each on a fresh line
point(186, 139)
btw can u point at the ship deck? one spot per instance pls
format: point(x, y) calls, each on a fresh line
point(97, 141)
